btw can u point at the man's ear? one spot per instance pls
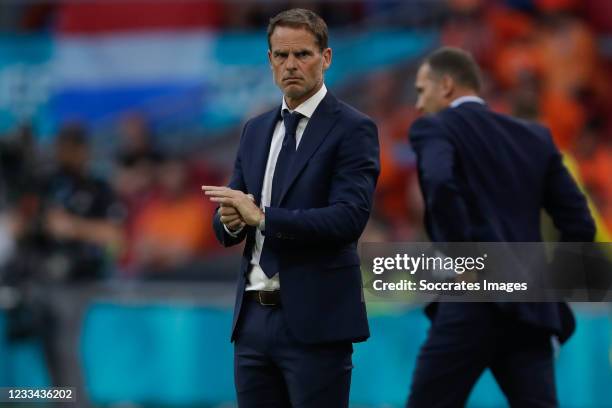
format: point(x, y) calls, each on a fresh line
point(448, 85)
point(327, 58)
point(270, 58)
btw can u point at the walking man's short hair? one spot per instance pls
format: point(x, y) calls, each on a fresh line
point(458, 64)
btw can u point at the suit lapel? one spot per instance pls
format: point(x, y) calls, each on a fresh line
point(319, 125)
point(260, 150)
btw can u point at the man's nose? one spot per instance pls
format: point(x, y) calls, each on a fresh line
point(291, 62)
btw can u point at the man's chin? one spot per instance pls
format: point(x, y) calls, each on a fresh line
point(434, 110)
point(293, 91)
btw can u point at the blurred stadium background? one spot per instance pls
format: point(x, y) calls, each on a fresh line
point(113, 113)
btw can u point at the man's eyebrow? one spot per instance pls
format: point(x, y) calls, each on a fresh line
point(300, 51)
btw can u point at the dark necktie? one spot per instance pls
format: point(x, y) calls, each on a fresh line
point(286, 155)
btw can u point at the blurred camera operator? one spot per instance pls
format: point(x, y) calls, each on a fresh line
point(81, 216)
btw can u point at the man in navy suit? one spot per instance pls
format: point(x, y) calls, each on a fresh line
point(485, 177)
point(301, 194)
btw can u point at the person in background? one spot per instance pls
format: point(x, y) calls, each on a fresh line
point(465, 152)
point(171, 231)
point(81, 218)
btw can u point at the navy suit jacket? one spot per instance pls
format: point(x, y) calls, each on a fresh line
point(311, 237)
point(486, 177)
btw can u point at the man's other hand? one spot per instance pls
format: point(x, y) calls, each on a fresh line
point(243, 204)
point(231, 218)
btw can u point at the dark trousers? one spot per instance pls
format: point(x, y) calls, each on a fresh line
point(274, 370)
point(467, 338)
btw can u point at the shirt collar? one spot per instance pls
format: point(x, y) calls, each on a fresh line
point(308, 107)
point(464, 99)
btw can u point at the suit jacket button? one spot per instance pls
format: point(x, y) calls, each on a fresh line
point(279, 235)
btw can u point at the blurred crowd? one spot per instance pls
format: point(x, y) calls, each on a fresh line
point(144, 216)
point(61, 222)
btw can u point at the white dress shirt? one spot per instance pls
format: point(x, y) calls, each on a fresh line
point(463, 99)
point(257, 279)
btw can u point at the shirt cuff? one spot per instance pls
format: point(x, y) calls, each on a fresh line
point(233, 234)
point(262, 223)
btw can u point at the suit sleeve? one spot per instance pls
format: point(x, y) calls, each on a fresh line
point(446, 211)
point(564, 201)
point(350, 200)
point(236, 183)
